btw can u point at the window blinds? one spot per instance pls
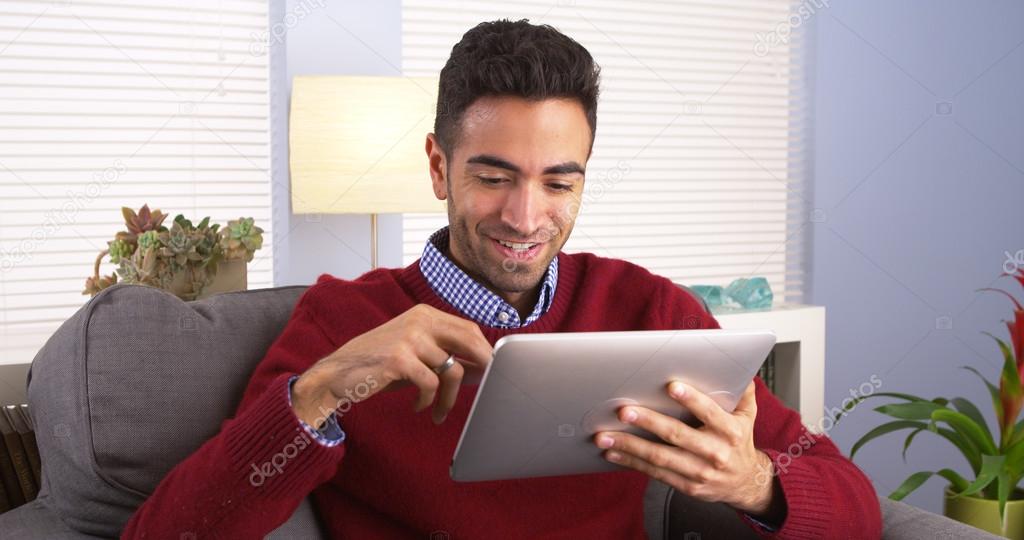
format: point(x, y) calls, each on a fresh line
point(698, 171)
point(105, 104)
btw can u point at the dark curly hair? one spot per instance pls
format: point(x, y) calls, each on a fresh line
point(506, 58)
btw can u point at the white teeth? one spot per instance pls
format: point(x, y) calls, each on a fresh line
point(516, 246)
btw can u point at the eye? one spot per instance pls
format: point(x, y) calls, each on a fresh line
point(560, 187)
point(491, 180)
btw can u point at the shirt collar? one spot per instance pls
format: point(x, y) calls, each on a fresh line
point(470, 297)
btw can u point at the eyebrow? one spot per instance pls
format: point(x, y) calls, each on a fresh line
point(569, 167)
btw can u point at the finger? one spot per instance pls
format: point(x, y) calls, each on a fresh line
point(656, 454)
point(671, 478)
point(702, 406)
point(460, 337)
point(673, 431)
point(416, 372)
point(747, 405)
point(451, 380)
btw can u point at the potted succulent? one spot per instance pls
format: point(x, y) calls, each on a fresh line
point(190, 260)
point(993, 499)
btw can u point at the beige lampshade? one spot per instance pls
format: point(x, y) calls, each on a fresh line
point(357, 144)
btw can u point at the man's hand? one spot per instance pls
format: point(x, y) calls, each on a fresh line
point(399, 352)
point(716, 462)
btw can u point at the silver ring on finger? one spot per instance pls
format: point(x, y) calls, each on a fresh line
point(446, 365)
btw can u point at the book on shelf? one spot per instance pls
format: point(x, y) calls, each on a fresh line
point(767, 371)
point(20, 466)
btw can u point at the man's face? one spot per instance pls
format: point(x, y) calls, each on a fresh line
point(513, 187)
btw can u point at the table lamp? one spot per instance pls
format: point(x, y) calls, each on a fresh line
point(356, 146)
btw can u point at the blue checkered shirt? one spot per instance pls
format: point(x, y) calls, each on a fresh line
point(464, 294)
point(470, 297)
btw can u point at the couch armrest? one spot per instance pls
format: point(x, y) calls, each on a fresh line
point(902, 521)
point(37, 521)
point(669, 516)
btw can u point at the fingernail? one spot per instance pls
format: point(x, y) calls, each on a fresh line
point(677, 389)
point(605, 441)
point(629, 415)
point(613, 456)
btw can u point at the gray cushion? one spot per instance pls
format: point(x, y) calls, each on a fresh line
point(35, 520)
point(135, 382)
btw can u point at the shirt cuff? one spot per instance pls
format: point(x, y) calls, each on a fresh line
point(329, 435)
point(759, 523)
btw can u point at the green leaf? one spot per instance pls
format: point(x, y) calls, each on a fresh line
point(882, 430)
point(967, 428)
point(1015, 458)
point(972, 412)
point(959, 482)
point(991, 467)
point(1004, 487)
point(1018, 433)
point(847, 408)
point(969, 451)
point(997, 404)
point(910, 439)
point(918, 410)
point(912, 482)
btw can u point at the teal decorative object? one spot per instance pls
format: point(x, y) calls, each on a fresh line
point(712, 294)
point(753, 293)
point(741, 294)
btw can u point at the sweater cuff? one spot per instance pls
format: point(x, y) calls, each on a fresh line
point(806, 515)
point(271, 450)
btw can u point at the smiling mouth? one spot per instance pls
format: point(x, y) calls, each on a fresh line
point(517, 250)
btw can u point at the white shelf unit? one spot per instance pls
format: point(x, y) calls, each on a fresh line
point(799, 354)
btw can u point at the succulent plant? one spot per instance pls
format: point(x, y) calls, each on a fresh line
point(119, 249)
point(149, 240)
point(143, 221)
point(94, 285)
point(179, 246)
point(241, 238)
point(150, 254)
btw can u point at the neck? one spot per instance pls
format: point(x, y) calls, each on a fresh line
point(522, 301)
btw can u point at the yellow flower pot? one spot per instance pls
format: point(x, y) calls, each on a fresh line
point(984, 513)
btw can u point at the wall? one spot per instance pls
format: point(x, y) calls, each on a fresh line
point(919, 181)
point(327, 38)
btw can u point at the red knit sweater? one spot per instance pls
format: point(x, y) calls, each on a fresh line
point(389, 479)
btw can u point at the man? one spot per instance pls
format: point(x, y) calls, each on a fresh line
point(326, 412)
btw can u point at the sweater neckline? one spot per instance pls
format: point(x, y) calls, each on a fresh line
point(412, 279)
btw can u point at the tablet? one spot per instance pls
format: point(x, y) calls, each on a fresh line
point(544, 396)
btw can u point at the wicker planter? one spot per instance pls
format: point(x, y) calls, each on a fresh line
point(231, 276)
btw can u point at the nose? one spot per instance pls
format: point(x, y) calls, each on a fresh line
point(523, 210)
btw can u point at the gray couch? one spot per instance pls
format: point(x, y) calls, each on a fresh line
point(137, 380)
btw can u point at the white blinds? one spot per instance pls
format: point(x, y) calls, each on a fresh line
point(110, 103)
point(698, 170)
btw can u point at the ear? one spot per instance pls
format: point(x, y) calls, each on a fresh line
point(438, 167)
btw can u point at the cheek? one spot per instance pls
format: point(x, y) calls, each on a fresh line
point(565, 212)
point(479, 207)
